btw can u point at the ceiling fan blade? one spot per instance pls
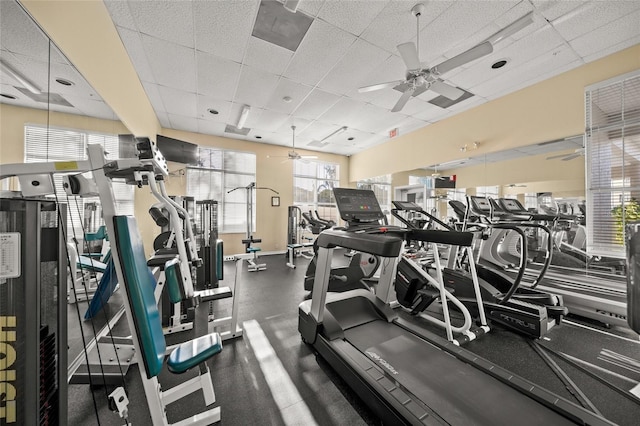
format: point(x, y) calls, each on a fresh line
point(403, 100)
point(409, 55)
point(379, 86)
point(446, 90)
point(483, 49)
point(512, 28)
point(308, 157)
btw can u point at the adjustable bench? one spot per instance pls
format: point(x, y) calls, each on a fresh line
point(144, 319)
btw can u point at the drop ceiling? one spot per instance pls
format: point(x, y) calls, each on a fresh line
point(193, 56)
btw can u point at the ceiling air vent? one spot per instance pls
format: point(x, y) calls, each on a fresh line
point(280, 26)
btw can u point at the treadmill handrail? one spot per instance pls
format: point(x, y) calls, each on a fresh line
point(448, 235)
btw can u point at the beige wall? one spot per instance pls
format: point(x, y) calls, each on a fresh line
point(548, 110)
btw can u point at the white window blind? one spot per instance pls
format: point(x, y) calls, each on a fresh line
point(612, 150)
point(44, 143)
point(313, 183)
point(219, 171)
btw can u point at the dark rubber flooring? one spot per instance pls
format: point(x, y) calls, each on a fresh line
point(271, 298)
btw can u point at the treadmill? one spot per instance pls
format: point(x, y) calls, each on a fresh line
point(405, 374)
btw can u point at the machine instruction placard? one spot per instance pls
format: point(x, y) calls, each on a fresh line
point(9, 255)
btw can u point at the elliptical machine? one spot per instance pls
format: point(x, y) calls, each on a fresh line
point(523, 310)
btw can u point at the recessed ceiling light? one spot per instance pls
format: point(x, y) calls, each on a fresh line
point(499, 64)
point(8, 96)
point(64, 82)
point(350, 138)
point(212, 111)
point(258, 137)
point(287, 99)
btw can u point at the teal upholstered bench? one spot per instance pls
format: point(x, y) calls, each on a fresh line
point(140, 284)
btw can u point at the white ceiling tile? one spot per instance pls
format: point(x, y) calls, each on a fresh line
point(80, 87)
point(396, 25)
point(164, 119)
point(342, 112)
point(204, 103)
point(387, 98)
point(613, 49)
point(297, 92)
point(270, 121)
point(217, 77)
point(352, 69)
point(553, 9)
point(121, 14)
point(608, 35)
point(592, 16)
point(87, 106)
point(353, 16)
point(223, 27)
point(172, 65)
point(153, 93)
point(181, 122)
point(409, 124)
point(267, 56)
point(391, 69)
point(255, 87)
point(317, 130)
point(373, 118)
point(423, 110)
point(310, 7)
point(19, 34)
point(210, 127)
point(178, 102)
point(517, 53)
point(318, 52)
point(132, 41)
point(166, 20)
point(300, 124)
point(316, 104)
point(526, 74)
point(459, 22)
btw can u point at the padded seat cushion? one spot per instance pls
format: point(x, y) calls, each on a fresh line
point(194, 352)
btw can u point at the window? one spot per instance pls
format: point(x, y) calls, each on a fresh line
point(43, 144)
point(487, 191)
point(218, 172)
point(458, 194)
point(313, 184)
point(381, 186)
point(612, 149)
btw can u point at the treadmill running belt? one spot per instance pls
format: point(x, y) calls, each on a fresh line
point(456, 391)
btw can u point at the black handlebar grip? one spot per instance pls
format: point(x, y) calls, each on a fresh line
point(158, 217)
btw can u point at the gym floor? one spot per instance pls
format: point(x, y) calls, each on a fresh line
point(269, 377)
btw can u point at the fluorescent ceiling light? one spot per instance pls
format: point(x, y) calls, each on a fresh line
point(21, 79)
point(243, 116)
point(337, 132)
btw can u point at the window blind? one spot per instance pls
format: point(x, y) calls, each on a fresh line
point(217, 172)
point(612, 156)
point(313, 183)
point(44, 143)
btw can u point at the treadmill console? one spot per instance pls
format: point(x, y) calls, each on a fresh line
point(480, 204)
point(406, 205)
point(358, 206)
point(511, 205)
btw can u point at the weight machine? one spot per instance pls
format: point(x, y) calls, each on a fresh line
point(254, 266)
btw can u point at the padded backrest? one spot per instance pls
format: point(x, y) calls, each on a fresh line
point(140, 285)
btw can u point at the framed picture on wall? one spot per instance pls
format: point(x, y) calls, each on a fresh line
point(275, 201)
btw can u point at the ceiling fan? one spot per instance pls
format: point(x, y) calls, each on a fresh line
point(515, 185)
point(420, 77)
point(570, 156)
point(293, 154)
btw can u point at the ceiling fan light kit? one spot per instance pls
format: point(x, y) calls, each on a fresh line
point(420, 78)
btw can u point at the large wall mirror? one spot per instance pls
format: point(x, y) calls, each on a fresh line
point(49, 112)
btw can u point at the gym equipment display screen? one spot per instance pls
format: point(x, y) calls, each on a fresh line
point(357, 205)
